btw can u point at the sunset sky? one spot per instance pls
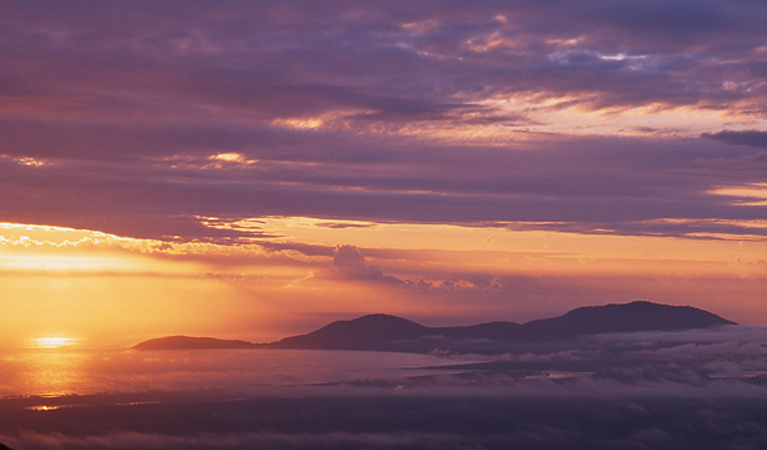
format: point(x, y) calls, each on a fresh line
point(258, 169)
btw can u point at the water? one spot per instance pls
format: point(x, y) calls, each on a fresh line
point(56, 372)
point(644, 390)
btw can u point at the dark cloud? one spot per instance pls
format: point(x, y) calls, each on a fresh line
point(315, 58)
point(349, 264)
point(751, 138)
point(678, 19)
point(128, 103)
point(614, 185)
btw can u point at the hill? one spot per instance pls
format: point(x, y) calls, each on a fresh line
point(381, 332)
point(621, 318)
point(192, 343)
point(372, 332)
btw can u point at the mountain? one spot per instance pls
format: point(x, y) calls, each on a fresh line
point(191, 343)
point(381, 332)
point(620, 318)
point(384, 332)
point(390, 333)
point(373, 332)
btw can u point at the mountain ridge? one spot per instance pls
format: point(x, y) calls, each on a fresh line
point(180, 342)
point(383, 332)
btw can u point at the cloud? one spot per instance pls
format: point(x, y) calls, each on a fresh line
point(357, 112)
point(751, 138)
point(394, 64)
point(472, 284)
point(349, 264)
point(255, 440)
point(595, 190)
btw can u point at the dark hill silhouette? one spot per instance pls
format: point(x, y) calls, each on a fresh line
point(620, 318)
point(383, 332)
point(373, 332)
point(189, 343)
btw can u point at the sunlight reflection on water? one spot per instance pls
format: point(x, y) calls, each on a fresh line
point(55, 373)
point(52, 342)
point(60, 371)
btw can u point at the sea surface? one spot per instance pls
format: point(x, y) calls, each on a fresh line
point(697, 390)
point(68, 371)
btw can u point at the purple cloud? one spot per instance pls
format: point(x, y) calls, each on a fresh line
point(121, 108)
point(751, 138)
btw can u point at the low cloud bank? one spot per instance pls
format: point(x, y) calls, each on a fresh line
point(439, 424)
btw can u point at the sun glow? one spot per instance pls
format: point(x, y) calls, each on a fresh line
point(53, 342)
point(68, 263)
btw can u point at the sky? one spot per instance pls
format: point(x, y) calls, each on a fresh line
point(258, 169)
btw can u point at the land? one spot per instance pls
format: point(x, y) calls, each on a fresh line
point(191, 343)
point(381, 332)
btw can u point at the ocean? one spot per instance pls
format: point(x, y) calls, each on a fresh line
point(701, 389)
point(69, 371)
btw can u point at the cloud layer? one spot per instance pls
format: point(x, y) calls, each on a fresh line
point(136, 119)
